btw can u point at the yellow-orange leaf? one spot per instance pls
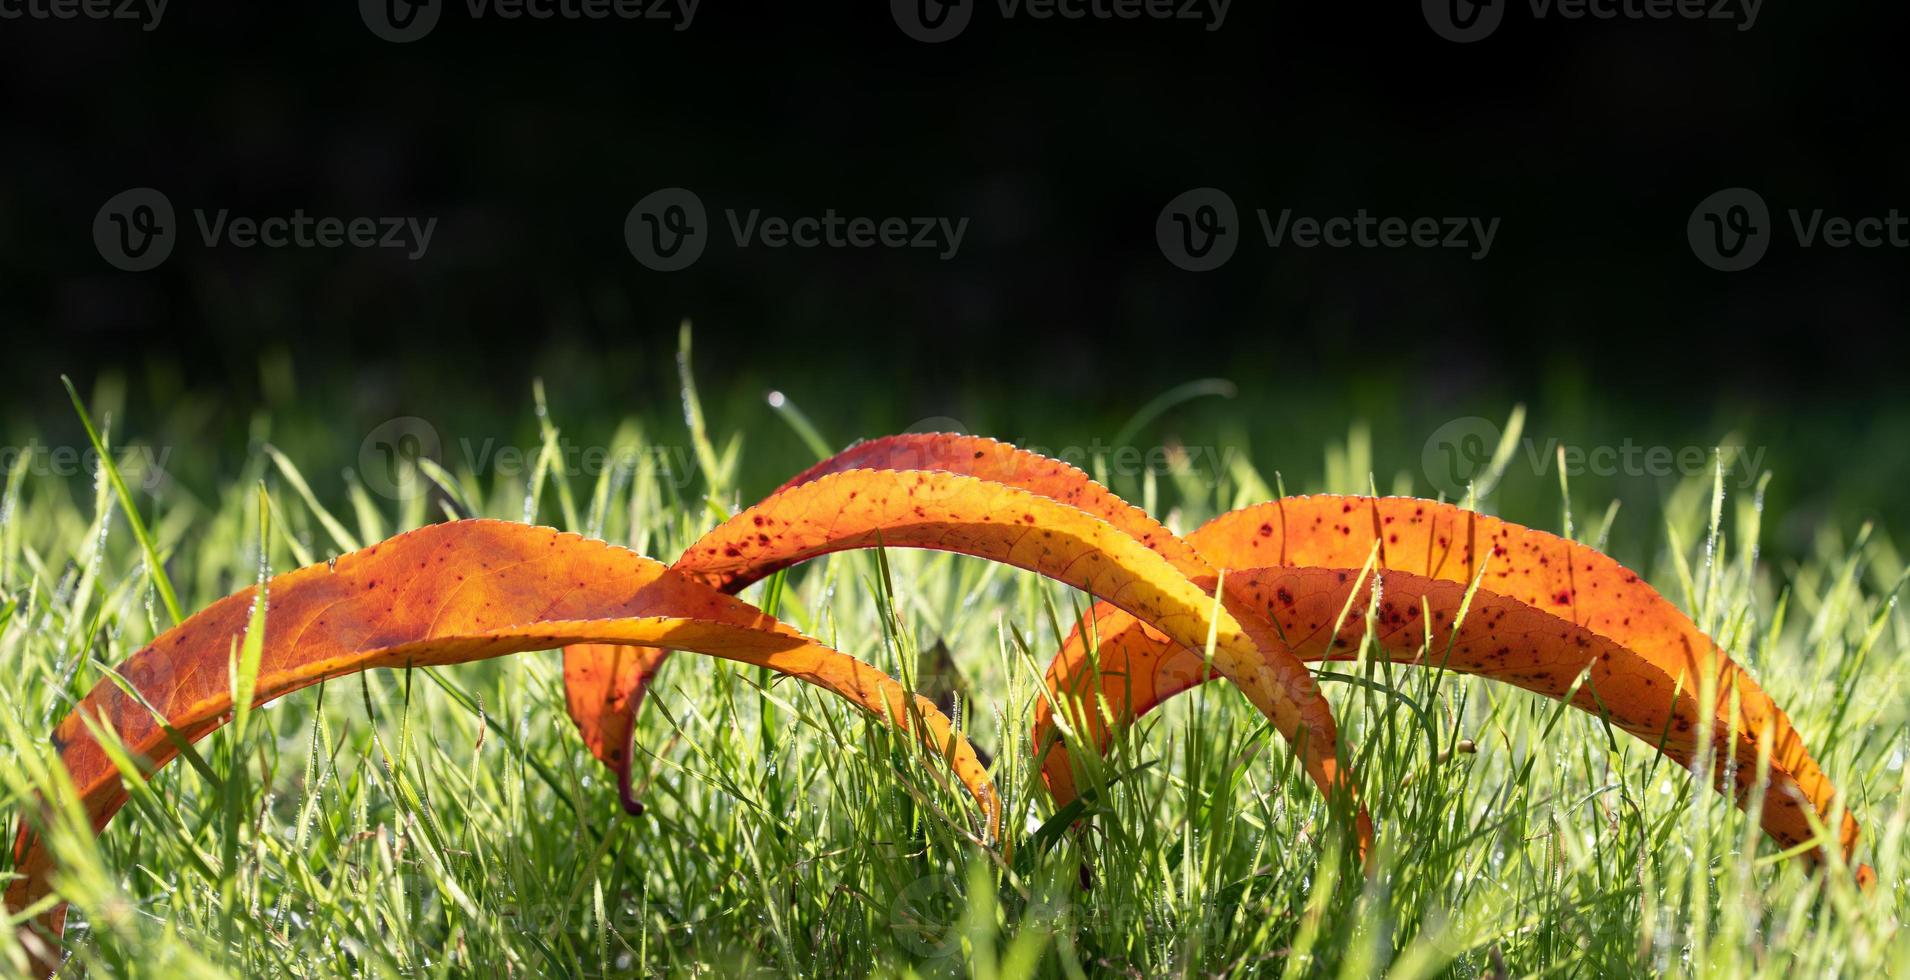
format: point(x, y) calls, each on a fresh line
point(604, 686)
point(1547, 610)
point(987, 499)
point(445, 594)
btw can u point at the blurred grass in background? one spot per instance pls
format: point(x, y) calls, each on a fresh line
point(1835, 464)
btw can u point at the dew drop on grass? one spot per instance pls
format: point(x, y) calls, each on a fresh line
point(99, 542)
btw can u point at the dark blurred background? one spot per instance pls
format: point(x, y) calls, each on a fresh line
point(1060, 141)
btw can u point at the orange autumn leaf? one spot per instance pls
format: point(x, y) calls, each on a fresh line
point(445, 594)
point(987, 499)
point(1547, 610)
point(604, 686)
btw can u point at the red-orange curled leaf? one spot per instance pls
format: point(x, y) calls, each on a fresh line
point(604, 686)
point(1547, 609)
point(980, 497)
point(445, 594)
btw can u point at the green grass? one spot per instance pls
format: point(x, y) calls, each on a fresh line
point(449, 822)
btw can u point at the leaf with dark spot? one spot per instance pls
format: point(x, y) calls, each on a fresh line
point(1547, 610)
point(984, 498)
